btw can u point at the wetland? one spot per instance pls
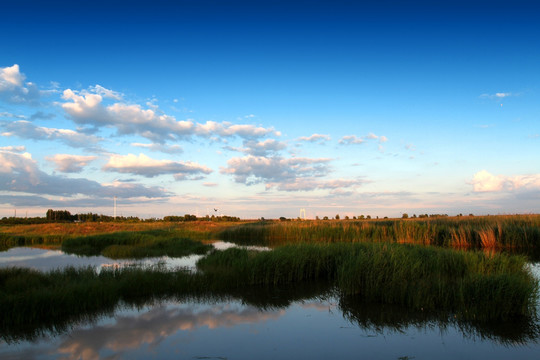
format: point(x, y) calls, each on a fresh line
point(73, 298)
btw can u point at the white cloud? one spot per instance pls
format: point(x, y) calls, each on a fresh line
point(145, 166)
point(14, 90)
point(85, 109)
point(260, 148)
point(11, 76)
point(88, 109)
point(499, 95)
point(227, 129)
point(26, 130)
point(70, 163)
point(315, 138)
point(483, 181)
point(350, 139)
point(19, 173)
point(256, 169)
point(353, 139)
point(106, 93)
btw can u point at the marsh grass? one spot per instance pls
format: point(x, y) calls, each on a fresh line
point(496, 232)
point(471, 284)
point(54, 234)
point(468, 286)
point(123, 245)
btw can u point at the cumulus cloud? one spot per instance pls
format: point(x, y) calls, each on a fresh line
point(14, 90)
point(145, 166)
point(70, 163)
point(256, 169)
point(11, 76)
point(88, 108)
point(19, 173)
point(260, 148)
point(483, 181)
point(26, 130)
point(315, 138)
point(227, 129)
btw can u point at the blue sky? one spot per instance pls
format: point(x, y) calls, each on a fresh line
point(263, 108)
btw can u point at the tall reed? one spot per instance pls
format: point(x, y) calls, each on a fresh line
point(518, 231)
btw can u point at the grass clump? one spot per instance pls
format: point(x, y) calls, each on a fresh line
point(134, 245)
point(471, 284)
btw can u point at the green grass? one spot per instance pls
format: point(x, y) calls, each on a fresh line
point(473, 285)
point(469, 287)
point(142, 244)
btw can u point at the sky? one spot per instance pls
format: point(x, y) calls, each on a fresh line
point(270, 108)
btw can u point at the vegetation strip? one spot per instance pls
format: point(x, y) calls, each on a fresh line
point(137, 245)
point(471, 285)
point(488, 232)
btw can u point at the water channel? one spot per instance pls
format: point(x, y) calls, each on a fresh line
point(301, 322)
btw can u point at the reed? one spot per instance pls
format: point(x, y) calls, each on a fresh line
point(496, 287)
point(501, 232)
point(469, 285)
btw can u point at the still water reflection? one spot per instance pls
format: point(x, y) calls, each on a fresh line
point(47, 259)
point(318, 327)
point(309, 321)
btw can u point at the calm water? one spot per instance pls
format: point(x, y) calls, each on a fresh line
point(304, 322)
point(45, 259)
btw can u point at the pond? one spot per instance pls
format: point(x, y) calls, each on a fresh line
point(47, 259)
point(304, 321)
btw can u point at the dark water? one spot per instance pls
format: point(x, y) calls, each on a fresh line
point(302, 322)
point(313, 328)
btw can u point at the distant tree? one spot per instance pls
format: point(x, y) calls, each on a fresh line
point(368, 217)
point(346, 217)
point(405, 216)
point(317, 217)
point(361, 217)
point(282, 218)
point(325, 218)
point(337, 216)
point(354, 217)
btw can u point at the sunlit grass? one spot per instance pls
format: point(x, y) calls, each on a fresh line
point(54, 234)
point(495, 232)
